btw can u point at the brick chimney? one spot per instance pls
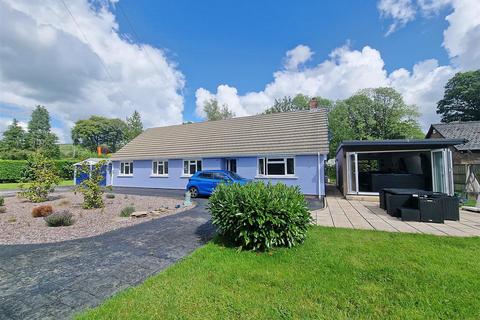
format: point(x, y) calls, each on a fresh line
point(313, 103)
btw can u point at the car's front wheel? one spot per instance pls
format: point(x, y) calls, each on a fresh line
point(193, 192)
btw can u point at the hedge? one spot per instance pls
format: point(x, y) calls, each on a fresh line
point(12, 170)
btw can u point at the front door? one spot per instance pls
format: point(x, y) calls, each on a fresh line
point(232, 165)
point(442, 177)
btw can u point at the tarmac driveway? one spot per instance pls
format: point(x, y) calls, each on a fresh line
point(57, 280)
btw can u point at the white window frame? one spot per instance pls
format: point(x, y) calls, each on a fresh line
point(164, 164)
point(191, 161)
point(123, 164)
point(267, 160)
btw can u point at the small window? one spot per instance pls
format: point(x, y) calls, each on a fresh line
point(126, 168)
point(276, 166)
point(232, 165)
point(159, 168)
point(191, 166)
point(290, 166)
point(261, 166)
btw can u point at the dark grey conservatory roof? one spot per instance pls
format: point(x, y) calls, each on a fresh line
point(289, 133)
point(464, 130)
point(399, 144)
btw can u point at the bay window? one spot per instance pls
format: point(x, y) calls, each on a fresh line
point(159, 168)
point(276, 166)
point(191, 166)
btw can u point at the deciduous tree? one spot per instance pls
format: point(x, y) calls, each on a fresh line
point(297, 103)
point(97, 131)
point(378, 113)
point(461, 100)
point(215, 112)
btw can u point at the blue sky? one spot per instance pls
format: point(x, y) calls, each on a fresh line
point(166, 58)
point(243, 42)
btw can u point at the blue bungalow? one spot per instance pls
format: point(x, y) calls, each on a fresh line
point(288, 147)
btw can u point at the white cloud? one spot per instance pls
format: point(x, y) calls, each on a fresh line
point(346, 70)
point(462, 37)
point(423, 87)
point(401, 11)
point(344, 73)
point(297, 56)
point(404, 11)
point(76, 72)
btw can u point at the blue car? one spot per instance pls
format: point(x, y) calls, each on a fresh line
point(204, 182)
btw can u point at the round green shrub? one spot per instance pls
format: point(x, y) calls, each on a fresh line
point(59, 219)
point(260, 216)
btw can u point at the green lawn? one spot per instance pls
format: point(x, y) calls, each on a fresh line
point(336, 274)
point(470, 203)
point(15, 185)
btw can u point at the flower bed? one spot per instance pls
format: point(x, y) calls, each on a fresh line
point(18, 226)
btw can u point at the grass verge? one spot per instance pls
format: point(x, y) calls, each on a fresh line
point(336, 274)
point(15, 185)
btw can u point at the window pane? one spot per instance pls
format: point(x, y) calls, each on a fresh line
point(166, 167)
point(275, 160)
point(290, 166)
point(275, 169)
point(193, 169)
point(233, 165)
point(185, 167)
point(131, 167)
point(261, 166)
point(154, 167)
point(160, 168)
point(218, 176)
point(199, 165)
point(122, 168)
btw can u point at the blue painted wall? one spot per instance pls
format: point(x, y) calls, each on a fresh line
point(306, 173)
point(83, 176)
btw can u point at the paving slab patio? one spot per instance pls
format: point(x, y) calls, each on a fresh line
point(342, 213)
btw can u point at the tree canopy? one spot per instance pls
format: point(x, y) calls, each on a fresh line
point(134, 125)
point(215, 112)
point(13, 144)
point(98, 131)
point(39, 136)
point(378, 113)
point(299, 102)
point(461, 100)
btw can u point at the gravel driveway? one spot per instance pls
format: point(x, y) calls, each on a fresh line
point(57, 280)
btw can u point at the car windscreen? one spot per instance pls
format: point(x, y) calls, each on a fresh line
point(234, 175)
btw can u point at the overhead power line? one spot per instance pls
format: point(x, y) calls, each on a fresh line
point(88, 42)
point(137, 38)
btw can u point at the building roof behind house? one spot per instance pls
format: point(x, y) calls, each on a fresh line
point(289, 133)
point(91, 161)
point(397, 144)
point(464, 130)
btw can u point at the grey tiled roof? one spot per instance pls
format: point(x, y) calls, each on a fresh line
point(462, 130)
point(289, 133)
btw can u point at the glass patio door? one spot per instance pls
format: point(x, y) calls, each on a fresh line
point(352, 169)
point(442, 178)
